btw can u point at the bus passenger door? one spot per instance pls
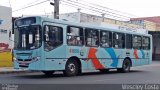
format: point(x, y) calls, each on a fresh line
point(54, 51)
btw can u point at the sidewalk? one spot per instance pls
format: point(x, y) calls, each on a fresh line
point(6, 70)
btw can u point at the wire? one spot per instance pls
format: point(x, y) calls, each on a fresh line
point(93, 10)
point(71, 5)
point(32, 2)
point(99, 9)
point(30, 6)
point(9, 3)
point(108, 8)
point(117, 18)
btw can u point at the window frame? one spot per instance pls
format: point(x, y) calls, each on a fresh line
point(44, 36)
point(97, 30)
point(148, 48)
point(130, 41)
point(16, 44)
point(110, 38)
point(136, 42)
point(80, 28)
point(122, 41)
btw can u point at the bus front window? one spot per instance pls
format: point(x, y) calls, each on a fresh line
point(28, 37)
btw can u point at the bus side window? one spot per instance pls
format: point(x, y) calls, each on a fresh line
point(118, 40)
point(146, 43)
point(92, 37)
point(128, 41)
point(105, 39)
point(75, 36)
point(137, 42)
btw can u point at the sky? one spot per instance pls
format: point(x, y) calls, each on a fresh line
point(135, 8)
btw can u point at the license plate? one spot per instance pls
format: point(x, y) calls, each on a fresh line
point(25, 64)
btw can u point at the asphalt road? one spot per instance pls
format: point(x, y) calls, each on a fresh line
point(149, 74)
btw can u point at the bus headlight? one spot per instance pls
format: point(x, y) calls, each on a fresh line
point(14, 58)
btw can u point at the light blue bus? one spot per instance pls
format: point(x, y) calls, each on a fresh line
point(50, 45)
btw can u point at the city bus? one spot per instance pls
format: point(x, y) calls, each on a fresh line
point(49, 45)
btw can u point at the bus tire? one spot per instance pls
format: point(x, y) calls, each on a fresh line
point(71, 68)
point(125, 66)
point(48, 73)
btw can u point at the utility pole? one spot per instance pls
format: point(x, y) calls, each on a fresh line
point(79, 15)
point(56, 8)
point(103, 14)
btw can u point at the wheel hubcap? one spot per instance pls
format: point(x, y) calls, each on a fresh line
point(126, 66)
point(71, 67)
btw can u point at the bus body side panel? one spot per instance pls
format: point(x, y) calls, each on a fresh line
point(104, 55)
point(93, 58)
point(139, 57)
point(80, 53)
point(56, 59)
point(111, 57)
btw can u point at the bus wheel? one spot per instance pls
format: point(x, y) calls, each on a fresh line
point(71, 68)
point(104, 70)
point(125, 67)
point(48, 73)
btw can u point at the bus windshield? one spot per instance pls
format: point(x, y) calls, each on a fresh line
point(27, 37)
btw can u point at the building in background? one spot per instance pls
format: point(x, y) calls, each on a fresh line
point(150, 23)
point(88, 18)
point(5, 36)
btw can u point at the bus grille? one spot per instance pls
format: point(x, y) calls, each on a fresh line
point(24, 60)
point(25, 66)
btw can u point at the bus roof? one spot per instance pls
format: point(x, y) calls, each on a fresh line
point(102, 26)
